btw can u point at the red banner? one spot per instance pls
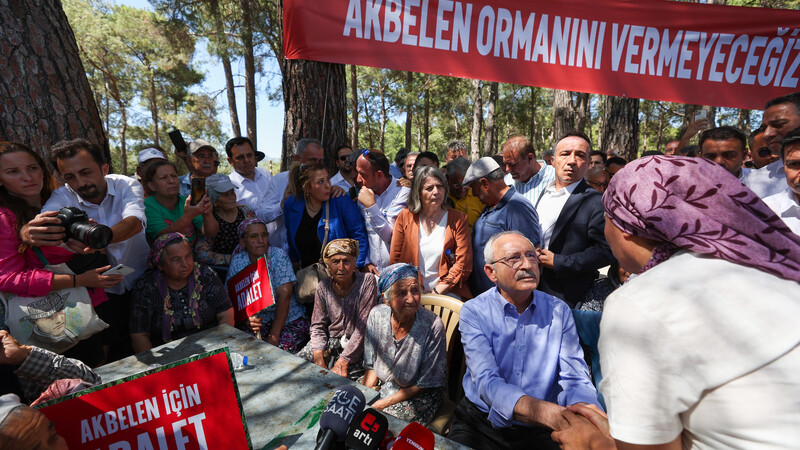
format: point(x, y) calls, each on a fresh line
point(660, 50)
point(192, 404)
point(250, 290)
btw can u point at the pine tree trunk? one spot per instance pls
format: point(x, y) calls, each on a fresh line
point(354, 107)
point(223, 45)
point(743, 120)
point(154, 107)
point(621, 127)
point(581, 111)
point(477, 120)
point(409, 107)
point(315, 104)
point(426, 124)
point(250, 70)
point(563, 113)
point(44, 94)
point(531, 135)
point(382, 137)
point(490, 138)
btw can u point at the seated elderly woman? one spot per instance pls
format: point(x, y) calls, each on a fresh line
point(701, 349)
point(176, 297)
point(228, 215)
point(341, 308)
point(284, 321)
point(405, 349)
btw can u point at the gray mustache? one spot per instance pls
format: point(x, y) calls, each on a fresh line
point(523, 273)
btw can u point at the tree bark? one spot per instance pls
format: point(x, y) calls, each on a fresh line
point(477, 120)
point(315, 104)
point(44, 93)
point(490, 137)
point(581, 111)
point(250, 70)
point(743, 120)
point(382, 136)
point(563, 113)
point(154, 107)
point(621, 127)
point(354, 107)
point(409, 107)
point(531, 135)
point(426, 122)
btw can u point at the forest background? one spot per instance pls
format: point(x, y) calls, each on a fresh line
point(214, 70)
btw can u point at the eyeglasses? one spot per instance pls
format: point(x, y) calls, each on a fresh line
point(515, 261)
point(344, 158)
point(595, 184)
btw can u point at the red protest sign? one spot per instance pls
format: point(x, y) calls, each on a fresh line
point(661, 50)
point(250, 290)
point(191, 404)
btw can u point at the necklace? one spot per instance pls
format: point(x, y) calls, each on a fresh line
point(311, 211)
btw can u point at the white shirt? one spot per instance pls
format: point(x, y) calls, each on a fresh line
point(270, 211)
point(785, 206)
point(744, 172)
point(430, 253)
point(550, 206)
point(124, 199)
point(338, 180)
point(532, 189)
point(379, 220)
point(768, 180)
point(249, 192)
point(707, 347)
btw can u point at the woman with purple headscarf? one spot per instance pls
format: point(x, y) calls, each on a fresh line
point(701, 349)
point(176, 297)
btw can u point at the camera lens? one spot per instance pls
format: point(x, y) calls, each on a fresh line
point(94, 235)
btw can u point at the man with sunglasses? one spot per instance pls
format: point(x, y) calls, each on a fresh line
point(345, 177)
point(760, 153)
point(250, 181)
point(782, 115)
point(524, 359)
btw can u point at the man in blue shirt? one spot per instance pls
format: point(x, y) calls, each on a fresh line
point(505, 210)
point(524, 360)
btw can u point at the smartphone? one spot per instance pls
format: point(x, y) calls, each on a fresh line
point(198, 190)
point(119, 269)
point(178, 141)
point(701, 114)
point(353, 192)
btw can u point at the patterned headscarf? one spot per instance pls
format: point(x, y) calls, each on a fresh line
point(394, 273)
point(242, 228)
point(694, 204)
point(338, 246)
point(161, 242)
point(195, 288)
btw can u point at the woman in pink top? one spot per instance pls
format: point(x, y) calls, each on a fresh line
point(25, 184)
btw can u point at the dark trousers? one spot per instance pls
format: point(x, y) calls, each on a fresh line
point(471, 428)
point(116, 312)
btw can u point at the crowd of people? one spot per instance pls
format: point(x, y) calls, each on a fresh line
point(670, 281)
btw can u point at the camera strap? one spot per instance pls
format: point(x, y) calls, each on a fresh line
point(39, 253)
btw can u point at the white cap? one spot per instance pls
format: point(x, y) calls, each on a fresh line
point(480, 169)
point(150, 153)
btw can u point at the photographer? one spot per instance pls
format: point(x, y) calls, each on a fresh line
point(112, 200)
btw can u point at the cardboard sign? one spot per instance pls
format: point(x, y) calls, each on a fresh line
point(190, 404)
point(250, 290)
point(660, 50)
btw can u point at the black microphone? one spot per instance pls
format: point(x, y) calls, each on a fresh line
point(346, 404)
point(367, 431)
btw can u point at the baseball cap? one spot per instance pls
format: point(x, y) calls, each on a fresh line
point(198, 144)
point(480, 169)
point(150, 153)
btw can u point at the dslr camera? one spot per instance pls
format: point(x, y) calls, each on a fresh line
point(77, 226)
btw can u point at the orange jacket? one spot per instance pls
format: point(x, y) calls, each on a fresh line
point(405, 248)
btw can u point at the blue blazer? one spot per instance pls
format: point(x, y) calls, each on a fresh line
point(345, 222)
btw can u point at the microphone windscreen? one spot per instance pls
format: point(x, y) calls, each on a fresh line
point(414, 437)
point(346, 404)
point(367, 430)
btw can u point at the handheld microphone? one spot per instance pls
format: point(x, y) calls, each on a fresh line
point(346, 404)
point(414, 437)
point(367, 431)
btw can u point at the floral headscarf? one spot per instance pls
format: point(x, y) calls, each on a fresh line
point(339, 246)
point(195, 287)
point(694, 204)
point(394, 273)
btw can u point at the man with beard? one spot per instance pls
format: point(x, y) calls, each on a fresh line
point(112, 200)
point(524, 360)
